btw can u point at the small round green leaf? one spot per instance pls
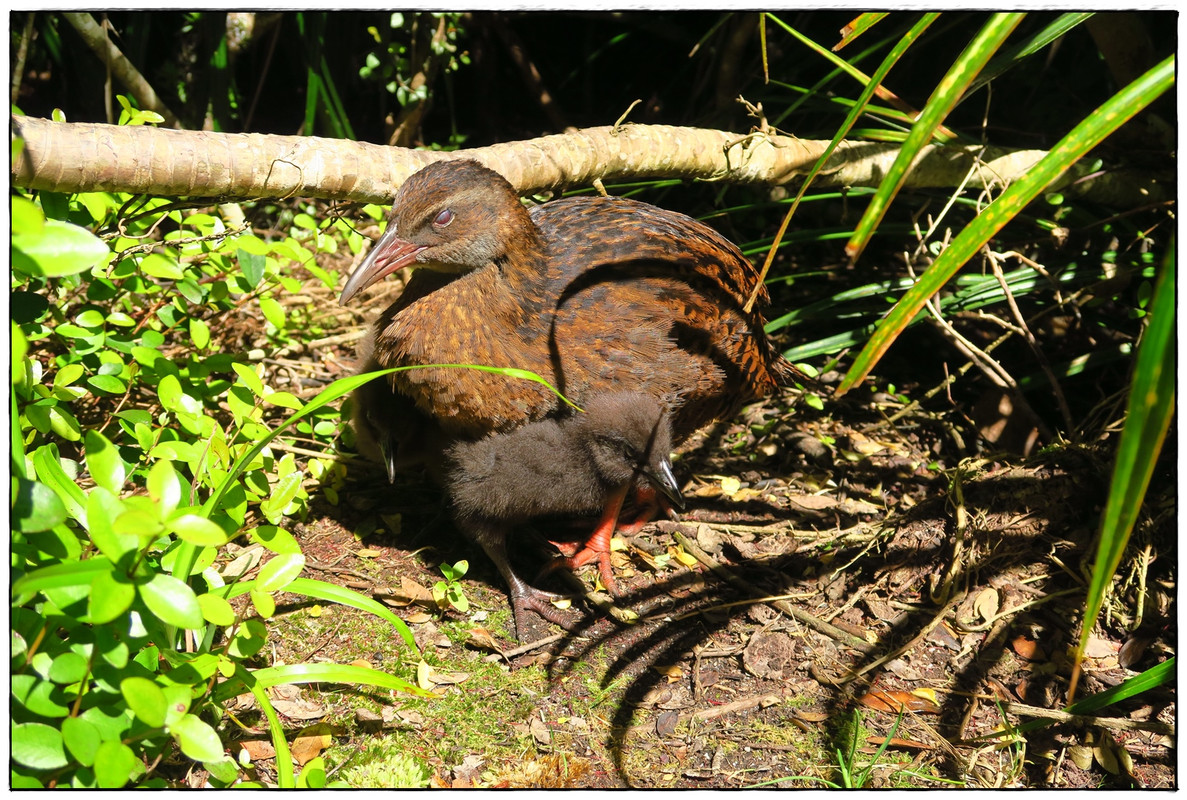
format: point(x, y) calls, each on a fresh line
point(280, 572)
point(59, 249)
point(115, 765)
point(82, 740)
point(199, 333)
point(172, 601)
point(38, 746)
point(198, 530)
point(169, 392)
point(197, 739)
point(35, 506)
point(216, 610)
point(103, 460)
point(164, 485)
point(68, 668)
point(109, 598)
point(248, 640)
point(90, 318)
point(146, 700)
point(107, 383)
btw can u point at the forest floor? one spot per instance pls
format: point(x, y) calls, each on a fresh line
point(849, 599)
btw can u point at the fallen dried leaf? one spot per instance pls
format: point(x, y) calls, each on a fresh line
point(896, 702)
point(299, 709)
point(672, 672)
point(258, 749)
point(1028, 648)
point(987, 604)
point(483, 639)
point(310, 742)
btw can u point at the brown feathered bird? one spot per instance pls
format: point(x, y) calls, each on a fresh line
point(594, 294)
point(582, 464)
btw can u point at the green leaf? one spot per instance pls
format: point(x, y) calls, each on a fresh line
point(248, 640)
point(247, 374)
point(169, 393)
point(103, 460)
point(63, 423)
point(198, 530)
point(82, 740)
point(1149, 411)
point(318, 673)
point(57, 576)
point(216, 610)
point(264, 603)
point(38, 746)
point(107, 383)
point(945, 97)
point(67, 668)
point(199, 333)
point(251, 263)
point(279, 572)
point(159, 266)
point(35, 507)
point(284, 399)
point(59, 249)
point(38, 696)
point(115, 765)
point(164, 486)
point(110, 598)
point(225, 770)
point(146, 700)
point(278, 540)
point(172, 601)
point(103, 508)
point(272, 311)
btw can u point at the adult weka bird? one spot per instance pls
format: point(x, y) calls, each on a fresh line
point(594, 294)
point(568, 466)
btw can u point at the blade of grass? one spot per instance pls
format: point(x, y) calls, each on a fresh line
point(333, 593)
point(858, 26)
point(285, 777)
point(943, 133)
point(267, 677)
point(945, 97)
point(1089, 133)
point(859, 106)
point(1148, 415)
point(1012, 55)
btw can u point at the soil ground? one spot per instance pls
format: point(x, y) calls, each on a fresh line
point(851, 598)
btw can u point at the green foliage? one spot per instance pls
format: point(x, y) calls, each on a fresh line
point(139, 450)
point(383, 766)
point(449, 592)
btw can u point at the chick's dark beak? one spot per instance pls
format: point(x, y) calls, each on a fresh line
point(388, 449)
point(665, 482)
point(389, 254)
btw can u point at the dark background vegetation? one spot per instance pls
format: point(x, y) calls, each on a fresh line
point(688, 68)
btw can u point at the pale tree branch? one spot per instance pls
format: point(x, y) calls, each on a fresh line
point(74, 157)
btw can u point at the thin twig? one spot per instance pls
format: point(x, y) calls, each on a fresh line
point(817, 624)
point(1044, 364)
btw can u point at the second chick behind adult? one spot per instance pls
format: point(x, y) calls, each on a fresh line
point(582, 464)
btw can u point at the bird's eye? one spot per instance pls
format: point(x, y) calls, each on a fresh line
point(443, 219)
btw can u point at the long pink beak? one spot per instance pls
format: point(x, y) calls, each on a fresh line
point(389, 254)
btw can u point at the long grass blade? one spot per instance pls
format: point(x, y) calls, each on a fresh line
point(1089, 133)
point(1148, 416)
point(945, 97)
